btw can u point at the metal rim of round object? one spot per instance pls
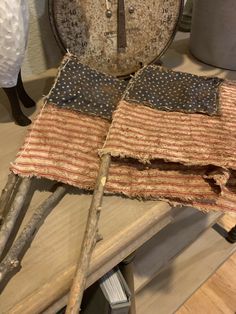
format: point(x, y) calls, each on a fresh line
point(58, 37)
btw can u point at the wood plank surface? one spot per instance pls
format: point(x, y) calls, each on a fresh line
point(161, 250)
point(175, 284)
point(217, 295)
point(48, 265)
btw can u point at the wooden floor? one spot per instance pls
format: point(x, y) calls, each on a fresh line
point(218, 294)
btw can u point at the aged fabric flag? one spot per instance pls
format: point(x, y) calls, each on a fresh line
point(196, 150)
point(146, 134)
point(86, 90)
point(63, 143)
point(164, 89)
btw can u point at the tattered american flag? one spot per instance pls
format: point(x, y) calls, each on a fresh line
point(62, 144)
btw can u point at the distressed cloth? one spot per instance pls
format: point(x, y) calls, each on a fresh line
point(168, 90)
point(62, 144)
point(147, 134)
point(80, 88)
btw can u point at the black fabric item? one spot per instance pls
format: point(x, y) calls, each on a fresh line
point(78, 87)
point(168, 90)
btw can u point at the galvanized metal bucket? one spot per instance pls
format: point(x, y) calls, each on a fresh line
point(213, 32)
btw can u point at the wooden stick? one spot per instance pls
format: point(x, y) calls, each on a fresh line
point(89, 240)
point(12, 259)
point(6, 193)
point(10, 219)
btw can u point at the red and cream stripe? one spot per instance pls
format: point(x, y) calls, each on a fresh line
point(63, 145)
point(147, 134)
point(174, 185)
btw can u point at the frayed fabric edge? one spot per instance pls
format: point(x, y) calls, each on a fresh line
point(171, 202)
point(148, 159)
point(51, 178)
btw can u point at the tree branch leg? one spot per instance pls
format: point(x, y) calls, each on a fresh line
point(12, 259)
point(14, 211)
point(6, 193)
point(90, 239)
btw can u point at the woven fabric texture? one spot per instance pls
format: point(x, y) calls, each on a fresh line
point(80, 88)
point(147, 134)
point(61, 146)
point(164, 89)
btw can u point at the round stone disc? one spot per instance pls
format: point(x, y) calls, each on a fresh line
point(90, 29)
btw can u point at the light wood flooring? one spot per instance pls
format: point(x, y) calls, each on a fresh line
point(218, 294)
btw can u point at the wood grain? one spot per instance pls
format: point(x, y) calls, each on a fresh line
point(48, 266)
point(90, 239)
point(175, 284)
point(217, 295)
point(119, 241)
point(189, 223)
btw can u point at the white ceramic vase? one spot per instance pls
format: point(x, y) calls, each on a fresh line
point(14, 21)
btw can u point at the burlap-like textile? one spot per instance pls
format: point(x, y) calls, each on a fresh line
point(147, 134)
point(82, 89)
point(63, 141)
point(62, 145)
point(168, 90)
point(174, 183)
